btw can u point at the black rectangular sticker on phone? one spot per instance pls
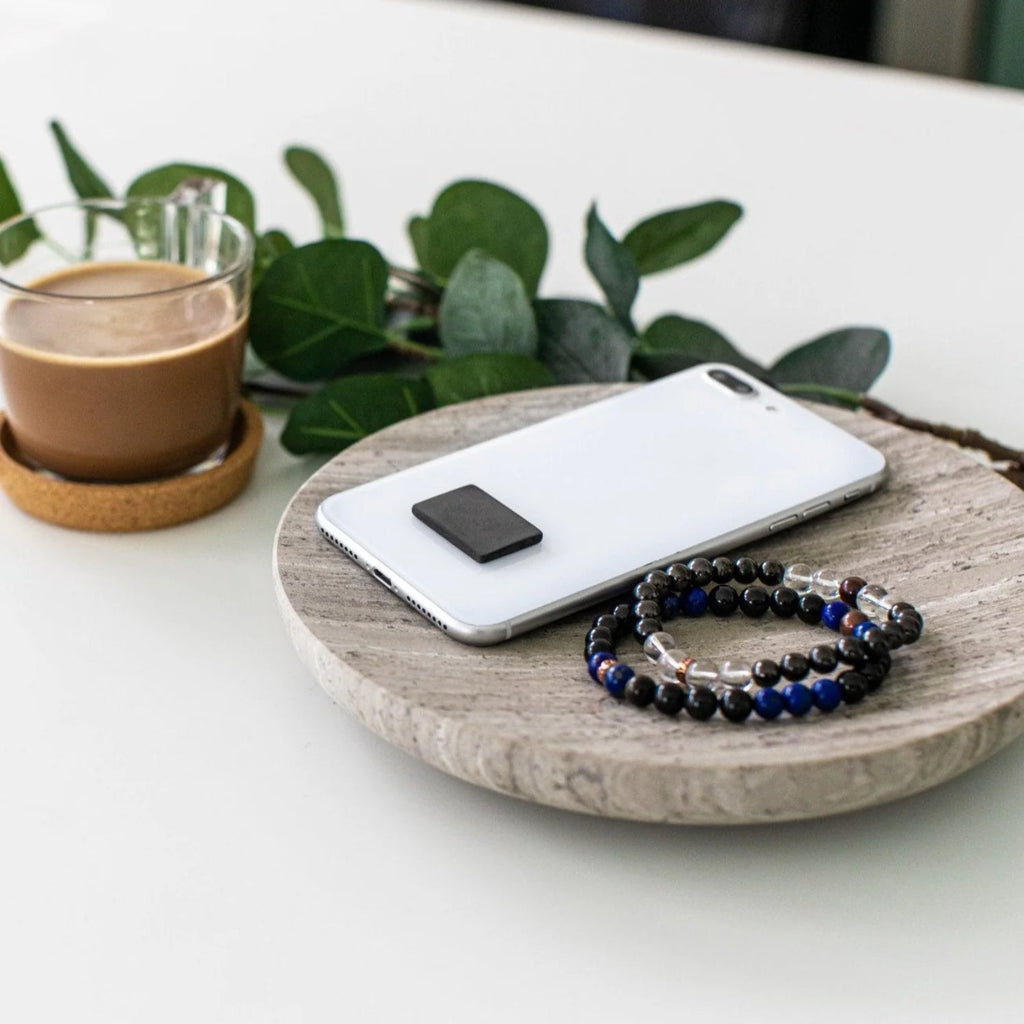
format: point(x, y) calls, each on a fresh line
point(476, 523)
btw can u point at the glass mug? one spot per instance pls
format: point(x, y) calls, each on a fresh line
point(122, 336)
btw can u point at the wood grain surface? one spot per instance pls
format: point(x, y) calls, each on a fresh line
point(524, 719)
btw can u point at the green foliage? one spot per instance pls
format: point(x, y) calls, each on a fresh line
point(673, 343)
point(613, 267)
point(485, 309)
point(84, 180)
point(481, 215)
point(13, 241)
point(314, 174)
point(318, 307)
point(580, 342)
point(382, 343)
point(678, 236)
point(351, 408)
point(485, 373)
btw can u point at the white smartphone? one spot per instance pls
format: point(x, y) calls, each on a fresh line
point(506, 535)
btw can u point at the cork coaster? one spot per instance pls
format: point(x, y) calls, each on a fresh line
point(127, 508)
point(522, 718)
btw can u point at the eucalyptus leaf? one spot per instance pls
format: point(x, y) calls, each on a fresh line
point(318, 307)
point(580, 342)
point(677, 236)
point(13, 240)
point(486, 373)
point(269, 246)
point(481, 215)
point(84, 180)
point(613, 268)
point(351, 408)
point(314, 174)
point(485, 309)
point(673, 343)
point(419, 229)
point(850, 360)
point(162, 181)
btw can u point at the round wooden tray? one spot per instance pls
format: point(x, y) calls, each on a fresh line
point(126, 508)
point(522, 718)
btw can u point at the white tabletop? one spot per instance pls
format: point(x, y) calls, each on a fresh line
point(193, 832)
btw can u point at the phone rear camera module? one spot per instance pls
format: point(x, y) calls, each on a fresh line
point(726, 379)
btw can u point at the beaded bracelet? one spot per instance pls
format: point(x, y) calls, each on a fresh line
point(871, 624)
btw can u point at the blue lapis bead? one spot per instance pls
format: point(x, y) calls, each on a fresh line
point(832, 614)
point(797, 698)
point(768, 703)
point(863, 627)
point(694, 602)
point(827, 694)
point(616, 677)
point(595, 661)
point(670, 607)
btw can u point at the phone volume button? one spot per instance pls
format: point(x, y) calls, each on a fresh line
point(816, 509)
point(783, 523)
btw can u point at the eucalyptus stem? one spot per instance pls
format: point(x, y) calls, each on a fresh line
point(399, 343)
point(417, 280)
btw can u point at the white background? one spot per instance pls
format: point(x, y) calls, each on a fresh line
point(193, 832)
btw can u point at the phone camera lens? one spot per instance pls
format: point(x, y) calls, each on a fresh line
point(724, 377)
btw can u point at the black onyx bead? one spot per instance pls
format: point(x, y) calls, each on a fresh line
point(771, 572)
point(911, 626)
point(598, 647)
point(852, 651)
point(659, 579)
point(721, 569)
point(892, 633)
point(623, 615)
point(902, 607)
point(609, 622)
point(700, 702)
point(754, 602)
point(722, 601)
point(735, 704)
point(745, 570)
point(823, 658)
point(701, 569)
point(878, 652)
point(679, 576)
point(784, 601)
point(809, 608)
point(645, 591)
point(645, 627)
point(873, 675)
point(600, 633)
point(765, 672)
point(649, 609)
point(853, 685)
point(640, 691)
point(669, 698)
point(794, 666)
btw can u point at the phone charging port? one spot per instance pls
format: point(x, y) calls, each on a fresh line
point(384, 579)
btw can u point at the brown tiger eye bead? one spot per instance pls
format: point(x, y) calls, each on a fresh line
point(603, 670)
point(850, 588)
point(850, 621)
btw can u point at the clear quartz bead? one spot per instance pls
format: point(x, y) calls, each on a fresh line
point(798, 577)
point(702, 673)
point(869, 601)
point(670, 661)
point(734, 673)
point(656, 644)
point(825, 582)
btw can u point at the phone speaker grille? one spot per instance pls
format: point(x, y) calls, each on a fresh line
point(408, 600)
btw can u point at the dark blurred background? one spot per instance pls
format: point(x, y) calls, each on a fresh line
point(976, 39)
